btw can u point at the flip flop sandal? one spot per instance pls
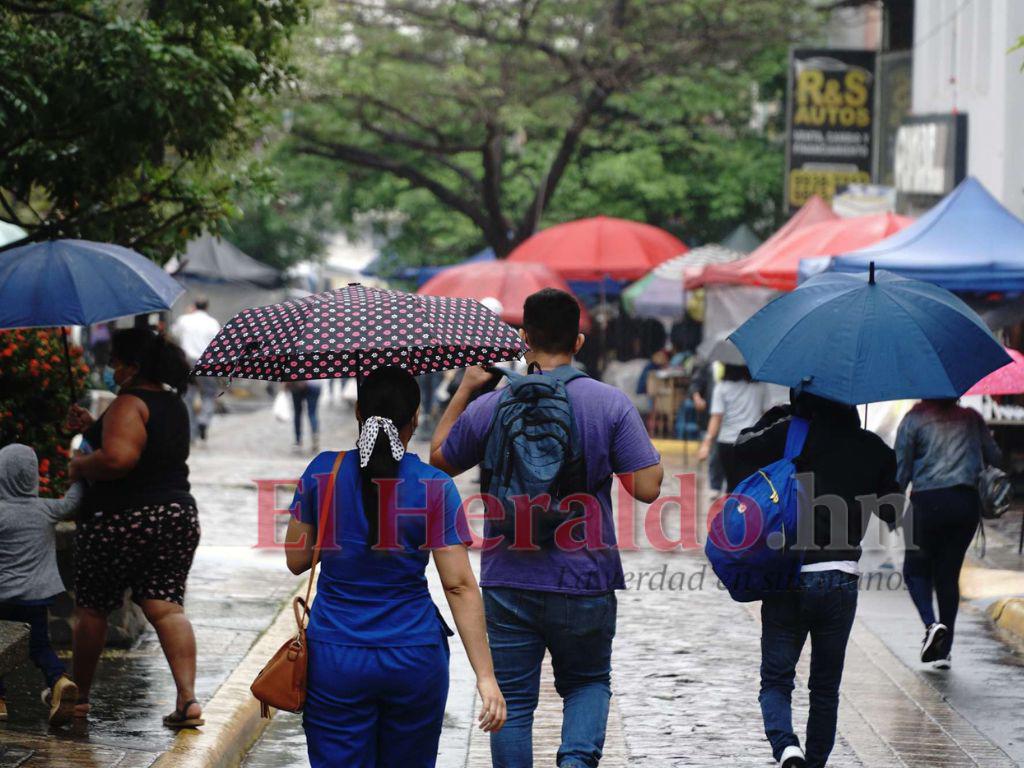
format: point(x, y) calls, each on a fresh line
point(179, 718)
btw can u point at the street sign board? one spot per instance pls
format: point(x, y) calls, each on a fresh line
point(829, 122)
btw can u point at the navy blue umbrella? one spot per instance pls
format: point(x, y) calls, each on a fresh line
point(862, 338)
point(78, 282)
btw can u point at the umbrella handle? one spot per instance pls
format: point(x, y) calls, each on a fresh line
point(67, 359)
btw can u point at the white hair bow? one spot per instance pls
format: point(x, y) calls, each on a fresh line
point(368, 438)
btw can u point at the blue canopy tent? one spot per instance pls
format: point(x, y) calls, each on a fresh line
point(967, 243)
point(592, 292)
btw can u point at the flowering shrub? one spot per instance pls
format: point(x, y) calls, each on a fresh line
point(35, 397)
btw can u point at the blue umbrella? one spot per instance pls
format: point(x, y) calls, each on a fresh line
point(78, 282)
point(858, 338)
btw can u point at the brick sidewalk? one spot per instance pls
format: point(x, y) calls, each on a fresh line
point(685, 689)
point(685, 686)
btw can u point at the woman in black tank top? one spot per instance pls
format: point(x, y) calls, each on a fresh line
point(139, 528)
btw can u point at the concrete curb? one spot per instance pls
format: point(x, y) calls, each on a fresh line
point(233, 721)
point(1008, 615)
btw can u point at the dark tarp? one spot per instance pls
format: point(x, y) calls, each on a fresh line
point(214, 259)
point(741, 239)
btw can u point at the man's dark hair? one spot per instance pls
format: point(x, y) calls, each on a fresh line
point(551, 319)
point(201, 303)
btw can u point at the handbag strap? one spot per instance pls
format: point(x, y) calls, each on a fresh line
point(325, 511)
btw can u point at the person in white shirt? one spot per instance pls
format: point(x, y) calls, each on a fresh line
point(736, 403)
point(194, 332)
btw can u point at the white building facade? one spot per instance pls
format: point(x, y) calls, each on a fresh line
point(962, 64)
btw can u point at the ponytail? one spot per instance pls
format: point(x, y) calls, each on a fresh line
point(393, 395)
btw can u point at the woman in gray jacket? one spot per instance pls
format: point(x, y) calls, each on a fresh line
point(941, 449)
point(28, 562)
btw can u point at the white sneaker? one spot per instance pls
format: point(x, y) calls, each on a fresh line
point(934, 640)
point(792, 757)
point(943, 664)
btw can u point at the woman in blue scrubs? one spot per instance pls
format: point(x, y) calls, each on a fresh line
point(378, 647)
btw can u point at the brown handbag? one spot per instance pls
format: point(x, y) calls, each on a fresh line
point(281, 684)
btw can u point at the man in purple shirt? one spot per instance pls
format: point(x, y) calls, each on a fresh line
point(555, 598)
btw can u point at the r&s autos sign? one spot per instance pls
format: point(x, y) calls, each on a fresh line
point(830, 112)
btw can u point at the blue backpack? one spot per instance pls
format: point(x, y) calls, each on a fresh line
point(534, 448)
point(748, 540)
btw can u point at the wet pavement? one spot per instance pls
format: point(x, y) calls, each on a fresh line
point(234, 592)
point(686, 675)
point(685, 667)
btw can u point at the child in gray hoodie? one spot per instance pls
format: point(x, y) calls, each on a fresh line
point(29, 579)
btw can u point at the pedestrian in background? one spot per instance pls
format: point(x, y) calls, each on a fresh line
point(551, 599)
point(848, 465)
point(942, 449)
point(28, 562)
point(378, 647)
point(140, 527)
point(737, 402)
point(306, 396)
point(194, 331)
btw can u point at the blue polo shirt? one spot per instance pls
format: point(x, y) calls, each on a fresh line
point(378, 597)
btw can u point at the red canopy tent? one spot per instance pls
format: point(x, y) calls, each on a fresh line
point(814, 211)
point(593, 249)
point(507, 281)
point(776, 263)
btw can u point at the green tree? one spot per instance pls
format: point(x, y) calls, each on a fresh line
point(484, 120)
point(288, 220)
point(128, 121)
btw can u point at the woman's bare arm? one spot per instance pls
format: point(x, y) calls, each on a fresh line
point(124, 438)
point(467, 606)
point(298, 546)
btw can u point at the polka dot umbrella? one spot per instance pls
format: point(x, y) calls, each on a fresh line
point(353, 330)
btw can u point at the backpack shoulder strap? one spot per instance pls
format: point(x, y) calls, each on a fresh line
point(796, 436)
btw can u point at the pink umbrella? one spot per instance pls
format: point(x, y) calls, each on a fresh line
point(1008, 380)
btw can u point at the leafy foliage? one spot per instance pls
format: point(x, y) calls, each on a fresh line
point(125, 121)
point(482, 121)
point(35, 397)
point(288, 220)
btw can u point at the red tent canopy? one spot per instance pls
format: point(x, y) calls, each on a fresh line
point(593, 249)
point(776, 263)
point(507, 281)
point(813, 211)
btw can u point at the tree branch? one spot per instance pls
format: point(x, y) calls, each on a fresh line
point(358, 156)
point(492, 156)
point(570, 140)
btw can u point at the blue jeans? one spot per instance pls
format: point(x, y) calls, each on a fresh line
point(823, 607)
point(577, 630)
point(310, 395)
point(39, 649)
